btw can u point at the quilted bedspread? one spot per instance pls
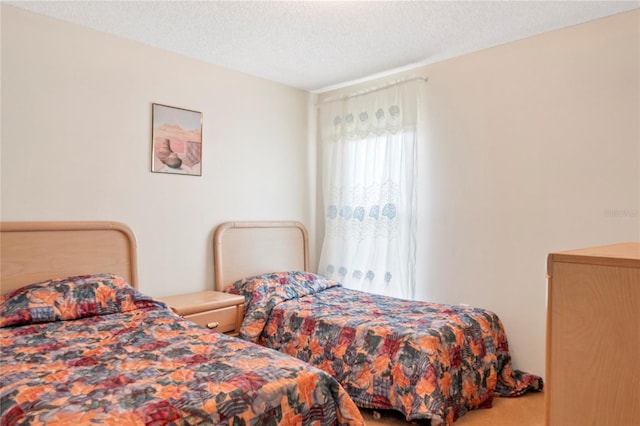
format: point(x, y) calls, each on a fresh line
point(78, 356)
point(423, 359)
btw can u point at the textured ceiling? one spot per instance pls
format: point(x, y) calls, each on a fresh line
point(321, 45)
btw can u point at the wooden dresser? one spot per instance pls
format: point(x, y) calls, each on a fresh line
point(593, 337)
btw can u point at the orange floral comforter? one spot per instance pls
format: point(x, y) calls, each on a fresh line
point(423, 359)
point(92, 350)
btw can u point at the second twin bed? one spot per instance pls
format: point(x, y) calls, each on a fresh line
point(425, 360)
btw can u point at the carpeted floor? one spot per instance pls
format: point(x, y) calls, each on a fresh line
point(525, 410)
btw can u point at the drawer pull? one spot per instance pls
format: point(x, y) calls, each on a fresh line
point(212, 325)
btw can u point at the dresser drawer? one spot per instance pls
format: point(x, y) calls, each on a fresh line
point(223, 320)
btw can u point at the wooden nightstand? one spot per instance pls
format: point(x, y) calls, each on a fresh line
point(218, 311)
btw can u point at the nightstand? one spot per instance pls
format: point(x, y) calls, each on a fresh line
point(222, 312)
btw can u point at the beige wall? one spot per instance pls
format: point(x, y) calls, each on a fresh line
point(76, 144)
point(531, 147)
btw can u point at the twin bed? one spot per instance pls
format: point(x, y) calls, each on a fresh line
point(425, 360)
point(80, 344)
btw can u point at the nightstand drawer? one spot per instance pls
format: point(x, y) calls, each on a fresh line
point(223, 320)
point(222, 312)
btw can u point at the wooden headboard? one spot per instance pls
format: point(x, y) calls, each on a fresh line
point(245, 249)
point(36, 251)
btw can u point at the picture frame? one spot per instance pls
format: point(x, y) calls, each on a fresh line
point(176, 140)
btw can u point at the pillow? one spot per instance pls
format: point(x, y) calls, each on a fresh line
point(263, 292)
point(70, 298)
point(294, 283)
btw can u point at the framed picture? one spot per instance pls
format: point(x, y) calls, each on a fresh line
point(176, 140)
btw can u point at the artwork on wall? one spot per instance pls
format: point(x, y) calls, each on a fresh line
point(176, 140)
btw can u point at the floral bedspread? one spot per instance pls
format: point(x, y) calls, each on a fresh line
point(84, 350)
point(423, 359)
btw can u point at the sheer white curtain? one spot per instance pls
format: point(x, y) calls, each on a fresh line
point(369, 190)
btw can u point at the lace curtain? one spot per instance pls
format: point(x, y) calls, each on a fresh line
point(369, 190)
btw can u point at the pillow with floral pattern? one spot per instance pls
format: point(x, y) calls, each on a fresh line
point(263, 292)
point(68, 298)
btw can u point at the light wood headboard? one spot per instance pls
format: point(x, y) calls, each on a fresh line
point(36, 251)
point(245, 249)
